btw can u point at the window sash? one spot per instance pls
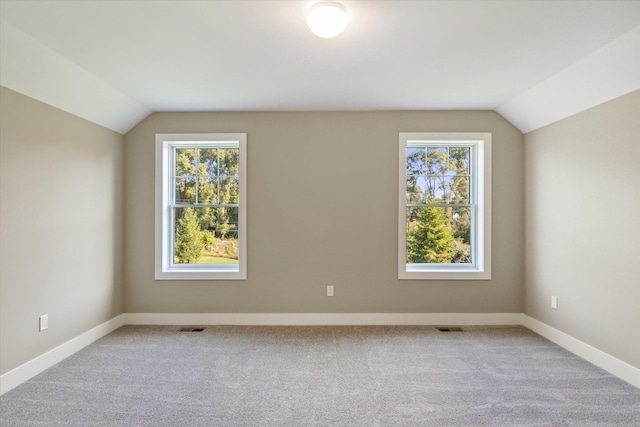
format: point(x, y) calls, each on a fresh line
point(172, 191)
point(448, 266)
point(472, 146)
point(174, 176)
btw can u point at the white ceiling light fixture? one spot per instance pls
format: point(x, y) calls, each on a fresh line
point(327, 19)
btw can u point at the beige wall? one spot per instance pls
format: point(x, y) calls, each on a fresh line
point(582, 228)
point(60, 226)
point(322, 209)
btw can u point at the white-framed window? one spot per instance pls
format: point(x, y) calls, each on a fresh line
point(444, 206)
point(201, 208)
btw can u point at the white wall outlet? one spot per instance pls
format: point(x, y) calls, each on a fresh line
point(330, 290)
point(44, 322)
point(554, 302)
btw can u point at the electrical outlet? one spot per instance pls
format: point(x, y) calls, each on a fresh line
point(554, 302)
point(44, 322)
point(330, 290)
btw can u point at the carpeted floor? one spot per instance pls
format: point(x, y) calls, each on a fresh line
point(322, 376)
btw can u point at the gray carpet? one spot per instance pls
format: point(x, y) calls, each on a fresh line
point(322, 376)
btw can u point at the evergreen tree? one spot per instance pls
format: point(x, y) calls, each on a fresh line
point(189, 238)
point(429, 237)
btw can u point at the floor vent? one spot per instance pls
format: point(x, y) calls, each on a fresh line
point(449, 329)
point(190, 329)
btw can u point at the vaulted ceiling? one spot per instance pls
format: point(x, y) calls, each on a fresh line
point(115, 62)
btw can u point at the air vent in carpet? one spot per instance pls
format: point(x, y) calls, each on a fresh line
point(449, 329)
point(190, 329)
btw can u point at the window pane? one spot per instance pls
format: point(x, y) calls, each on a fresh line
point(208, 175)
point(460, 190)
point(207, 189)
point(228, 177)
point(228, 161)
point(186, 189)
point(205, 235)
point(185, 173)
point(439, 189)
point(229, 189)
point(416, 161)
point(416, 189)
point(438, 235)
point(459, 160)
point(437, 160)
point(208, 161)
point(185, 161)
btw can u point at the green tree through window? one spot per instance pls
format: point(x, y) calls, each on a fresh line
point(190, 238)
point(430, 237)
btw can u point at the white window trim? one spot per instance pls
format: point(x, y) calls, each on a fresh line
point(163, 270)
point(482, 268)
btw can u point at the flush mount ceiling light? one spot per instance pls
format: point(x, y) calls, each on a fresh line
point(327, 19)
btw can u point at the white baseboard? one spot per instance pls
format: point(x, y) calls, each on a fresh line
point(306, 319)
point(28, 370)
point(591, 354)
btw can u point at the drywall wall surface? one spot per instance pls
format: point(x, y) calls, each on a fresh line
point(322, 210)
point(582, 228)
point(61, 226)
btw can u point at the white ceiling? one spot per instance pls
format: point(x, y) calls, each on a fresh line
point(259, 55)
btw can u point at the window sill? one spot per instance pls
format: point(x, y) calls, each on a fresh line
point(417, 273)
point(199, 274)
